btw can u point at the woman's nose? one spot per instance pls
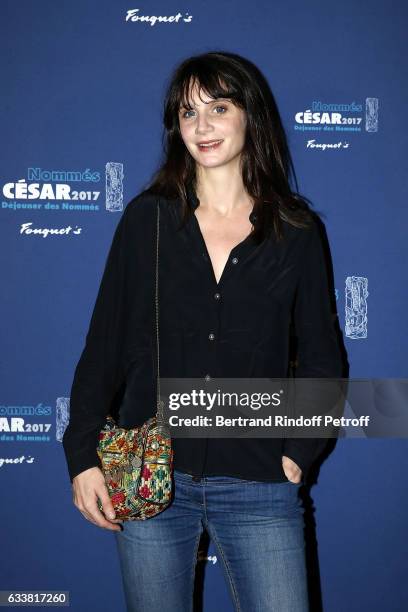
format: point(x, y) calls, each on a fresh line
point(203, 124)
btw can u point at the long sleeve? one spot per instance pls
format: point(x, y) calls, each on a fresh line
point(318, 349)
point(97, 374)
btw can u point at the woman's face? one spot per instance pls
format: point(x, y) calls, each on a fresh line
point(212, 120)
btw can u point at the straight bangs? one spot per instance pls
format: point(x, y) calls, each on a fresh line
point(211, 85)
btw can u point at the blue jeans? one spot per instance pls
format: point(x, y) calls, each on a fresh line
point(256, 527)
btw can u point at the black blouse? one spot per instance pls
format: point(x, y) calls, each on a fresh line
point(238, 327)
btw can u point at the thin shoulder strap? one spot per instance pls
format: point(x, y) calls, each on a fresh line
point(160, 403)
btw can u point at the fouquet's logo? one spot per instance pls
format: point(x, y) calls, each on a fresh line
point(27, 230)
point(133, 15)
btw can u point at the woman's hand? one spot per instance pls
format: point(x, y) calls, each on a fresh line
point(87, 487)
point(291, 469)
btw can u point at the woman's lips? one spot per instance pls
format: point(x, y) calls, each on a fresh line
point(210, 147)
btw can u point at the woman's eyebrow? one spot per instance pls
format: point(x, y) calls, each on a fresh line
point(209, 102)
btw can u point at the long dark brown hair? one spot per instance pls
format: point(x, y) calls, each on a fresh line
point(266, 163)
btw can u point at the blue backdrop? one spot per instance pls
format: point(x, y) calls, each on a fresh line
point(82, 91)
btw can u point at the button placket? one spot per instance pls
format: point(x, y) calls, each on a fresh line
point(243, 250)
point(213, 335)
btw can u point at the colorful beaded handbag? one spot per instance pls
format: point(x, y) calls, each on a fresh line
point(138, 463)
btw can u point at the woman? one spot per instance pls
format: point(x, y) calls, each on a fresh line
point(240, 262)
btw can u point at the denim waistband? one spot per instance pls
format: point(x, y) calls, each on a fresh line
point(224, 478)
point(202, 478)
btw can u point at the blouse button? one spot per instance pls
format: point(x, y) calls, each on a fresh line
point(211, 336)
point(234, 260)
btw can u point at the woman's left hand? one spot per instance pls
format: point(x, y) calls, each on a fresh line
point(291, 469)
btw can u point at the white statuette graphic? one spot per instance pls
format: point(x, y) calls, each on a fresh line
point(371, 115)
point(114, 186)
point(61, 417)
point(356, 307)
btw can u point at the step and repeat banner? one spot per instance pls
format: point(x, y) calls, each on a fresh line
point(81, 134)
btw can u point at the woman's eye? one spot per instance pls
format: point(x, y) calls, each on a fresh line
point(185, 114)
